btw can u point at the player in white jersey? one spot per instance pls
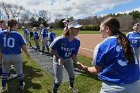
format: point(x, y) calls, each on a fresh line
point(114, 61)
point(11, 43)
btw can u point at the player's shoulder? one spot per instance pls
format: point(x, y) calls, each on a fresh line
point(109, 41)
point(16, 33)
point(129, 33)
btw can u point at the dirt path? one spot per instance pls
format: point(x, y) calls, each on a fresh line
point(88, 43)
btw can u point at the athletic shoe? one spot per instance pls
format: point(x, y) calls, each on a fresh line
point(74, 89)
point(22, 87)
point(12, 76)
point(3, 89)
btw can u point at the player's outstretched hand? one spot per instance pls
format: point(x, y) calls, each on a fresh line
point(80, 65)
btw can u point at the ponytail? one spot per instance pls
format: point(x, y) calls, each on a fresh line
point(127, 49)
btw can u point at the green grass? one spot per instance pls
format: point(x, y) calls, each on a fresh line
point(39, 81)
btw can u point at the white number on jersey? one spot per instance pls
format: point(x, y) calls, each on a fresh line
point(67, 54)
point(134, 41)
point(9, 42)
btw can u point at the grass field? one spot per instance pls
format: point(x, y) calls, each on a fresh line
point(39, 81)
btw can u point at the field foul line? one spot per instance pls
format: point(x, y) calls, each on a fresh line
point(86, 49)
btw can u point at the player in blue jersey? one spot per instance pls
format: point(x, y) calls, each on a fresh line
point(26, 35)
point(11, 43)
point(51, 35)
point(2, 29)
point(134, 38)
point(115, 62)
point(44, 38)
point(36, 38)
point(65, 49)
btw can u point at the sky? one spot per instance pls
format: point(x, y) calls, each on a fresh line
point(79, 8)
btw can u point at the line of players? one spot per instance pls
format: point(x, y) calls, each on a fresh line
point(45, 35)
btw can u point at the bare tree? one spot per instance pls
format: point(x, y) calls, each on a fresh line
point(25, 18)
point(6, 8)
point(15, 10)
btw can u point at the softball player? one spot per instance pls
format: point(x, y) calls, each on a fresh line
point(115, 61)
point(134, 38)
point(65, 49)
point(11, 43)
point(26, 35)
point(36, 38)
point(44, 37)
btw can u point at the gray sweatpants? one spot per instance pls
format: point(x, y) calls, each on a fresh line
point(115, 88)
point(58, 70)
point(15, 60)
point(44, 43)
point(37, 43)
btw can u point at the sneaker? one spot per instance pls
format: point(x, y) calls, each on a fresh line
point(22, 87)
point(74, 89)
point(12, 76)
point(3, 89)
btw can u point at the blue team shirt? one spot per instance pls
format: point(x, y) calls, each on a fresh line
point(65, 48)
point(44, 32)
point(36, 35)
point(51, 36)
point(134, 38)
point(11, 44)
point(26, 32)
point(109, 55)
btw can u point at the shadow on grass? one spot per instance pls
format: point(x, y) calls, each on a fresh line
point(30, 74)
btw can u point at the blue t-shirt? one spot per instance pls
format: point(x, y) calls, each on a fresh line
point(26, 32)
point(36, 35)
point(65, 48)
point(11, 43)
point(51, 36)
point(134, 38)
point(44, 32)
point(109, 55)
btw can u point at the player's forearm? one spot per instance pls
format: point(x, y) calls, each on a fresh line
point(53, 51)
point(93, 70)
point(74, 58)
point(25, 50)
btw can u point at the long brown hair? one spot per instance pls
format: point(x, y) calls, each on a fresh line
point(114, 27)
point(66, 33)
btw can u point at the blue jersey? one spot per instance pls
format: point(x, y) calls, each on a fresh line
point(65, 48)
point(134, 38)
point(26, 32)
point(44, 32)
point(109, 55)
point(11, 44)
point(36, 35)
point(51, 36)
